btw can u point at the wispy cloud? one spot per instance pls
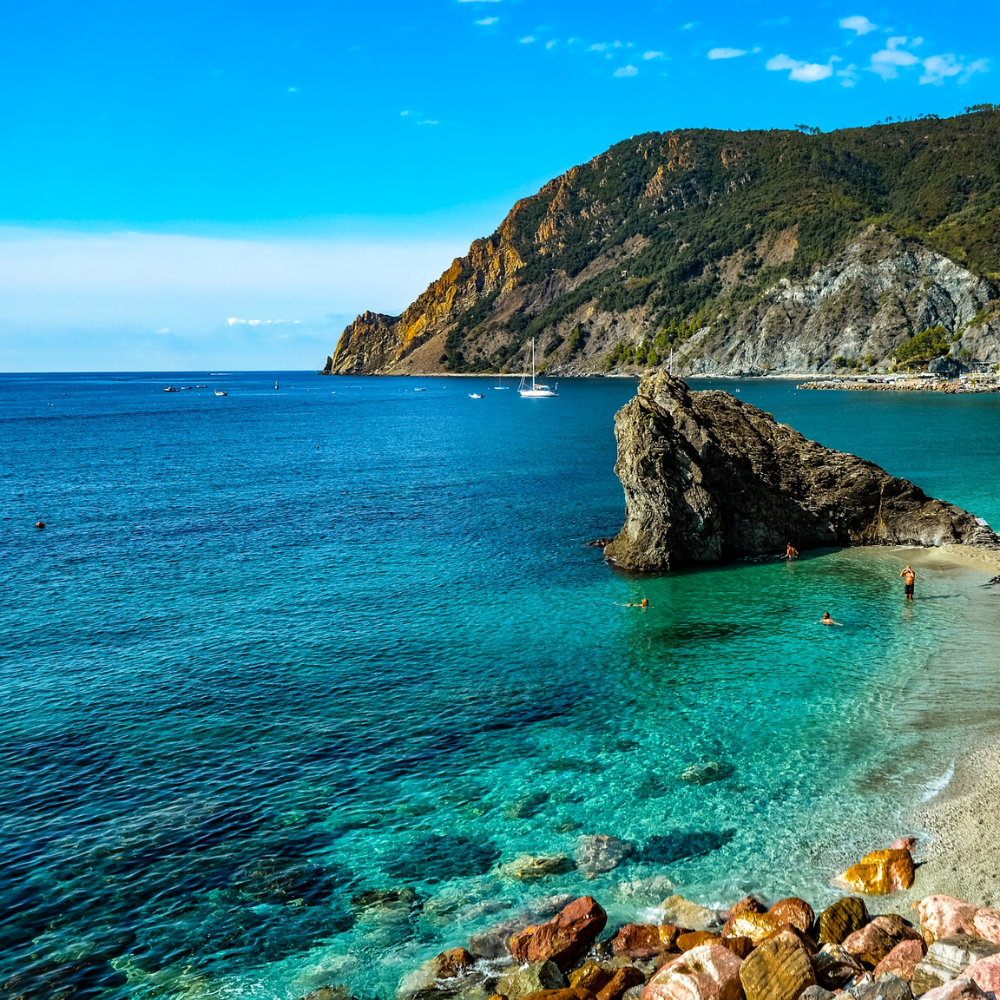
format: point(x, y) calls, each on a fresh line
point(652, 55)
point(419, 118)
point(937, 69)
point(725, 53)
point(488, 20)
point(799, 69)
point(887, 62)
point(857, 23)
point(978, 66)
point(234, 321)
point(527, 40)
point(690, 25)
point(627, 71)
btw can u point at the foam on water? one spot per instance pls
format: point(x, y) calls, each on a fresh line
point(278, 650)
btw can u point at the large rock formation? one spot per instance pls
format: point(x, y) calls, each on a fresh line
point(708, 477)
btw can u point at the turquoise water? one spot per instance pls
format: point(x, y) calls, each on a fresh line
point(277, 649)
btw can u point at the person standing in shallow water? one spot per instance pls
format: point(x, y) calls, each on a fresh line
point(909, 578)
point(791, 552)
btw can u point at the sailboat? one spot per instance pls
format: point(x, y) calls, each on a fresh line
point(275, 383)
point(500, 384)
point(537, 390)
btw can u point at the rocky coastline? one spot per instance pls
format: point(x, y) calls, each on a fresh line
point(951, 387)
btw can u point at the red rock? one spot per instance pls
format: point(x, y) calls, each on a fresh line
point(794, 911)
point(741, 946)
point(710, 972)
point(569, 993)
point(902, 960)
point(904, 844)
point(897, 928)
point(748, 904)
point(452, 963)
point(644, 940)
point(987, 925)
point(564, 938)
point(694, 939)
point(879, 873)
point(622, 980)
point(956, 989)
point(985, 974)
point(868, 945)
point(943, 916)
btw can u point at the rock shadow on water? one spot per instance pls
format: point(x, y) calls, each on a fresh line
point(439, 858)
point(678, 845)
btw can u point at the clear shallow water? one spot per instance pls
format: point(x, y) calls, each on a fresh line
point(279, 648)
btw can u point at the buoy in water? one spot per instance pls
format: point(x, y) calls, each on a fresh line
point(39, 524)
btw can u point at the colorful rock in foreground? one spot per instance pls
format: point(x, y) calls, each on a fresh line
point(710, 972)
point(778, 969)
point(564, 938)
point(880, 872)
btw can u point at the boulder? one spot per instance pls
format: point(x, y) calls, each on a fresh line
point(601, 853)
point(985, 974)
point(694, 939)
point(623, 979)
point(794, 934)
point(754, 925)
point(880, 872)
point(683, 913)
point(869, 944)
point(947, 959)
point(887, 988)
point(842, 918)
point(834, 966)
point(531, 868)
point(794, 911)
point(710, 972)
point(956, 989)
point(532, 978)
point(904, 844)
point(644, 940)
point(451, 963)
point(902, 960)
point(590, 976)
point(748, 904)
point(567, 993)
point(986, 924)
point(741, 946)
point(564, 938)
point(707, 477)
point(778, 969)
point(943, 916)
point(816, 993)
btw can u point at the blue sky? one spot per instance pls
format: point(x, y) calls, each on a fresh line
point(204, 184)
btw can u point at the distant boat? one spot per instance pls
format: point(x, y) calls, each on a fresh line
point(475, 395)
point(419, 390)
point(170, 388)
point(275, 383)
point(500, 384)
point(537, 390)
point(201, 386)
point(219, 392)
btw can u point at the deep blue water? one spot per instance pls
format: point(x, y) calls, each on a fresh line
point(276, 649)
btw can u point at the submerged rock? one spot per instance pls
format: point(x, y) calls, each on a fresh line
point(602, 853)
point(707, 477)
point(682, 912)
point(531, 868)
point(707, 772)
point(531, 978)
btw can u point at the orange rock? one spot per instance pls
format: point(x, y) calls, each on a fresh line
point(693, 939)
point(755, 926)
point(748, 904)
point(590, 976)
point(869, 945)
point(622, 980)
point(902, 960)
point(778, 969)
point(564, 938)
point(880, 872)
point(569, 993)
point(740, 946)
point(794, 911)
point(710, 972)
point(644, 940)
point(794, 934)
point(452, 963)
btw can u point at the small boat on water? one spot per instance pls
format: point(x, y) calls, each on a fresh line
point(170, 388)
point(475, 395)
point(419, 390)
point(275, 383)
point(536, 390)
point(500, 384)
point(219, 392)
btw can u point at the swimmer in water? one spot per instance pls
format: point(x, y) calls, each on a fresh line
point(827, 620)
point(644, 604)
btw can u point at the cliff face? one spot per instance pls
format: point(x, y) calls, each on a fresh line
point(708, 477)
point(736, 252)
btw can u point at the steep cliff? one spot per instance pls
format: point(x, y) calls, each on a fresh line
point(708, 477)
point(733, 251)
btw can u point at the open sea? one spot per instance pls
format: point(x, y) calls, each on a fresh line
point(277, 651)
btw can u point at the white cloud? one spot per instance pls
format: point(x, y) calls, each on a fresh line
point(979, 66)
point(887, 61)
point(598, 46)
point(488, 20)
point(857, 23)
point(293, 90)
point(848, 75)
point(233, 321)
point(803, 72)
point(627, 71)
point(652, 55)
point(551, 44)
point(896, 41)
point(690, 25)
point(938, 68)
point(726, 53)
point(527, 40)
point(163, 330)
point(478, 1)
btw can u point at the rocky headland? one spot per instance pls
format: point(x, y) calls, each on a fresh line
point(708, 478)
point(736, 253)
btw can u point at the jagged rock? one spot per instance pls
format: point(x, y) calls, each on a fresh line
point(622, 979)
point(794, 911)
point(644, 940)
point(947, 958)
point(710, 972)
point(707, 477)
point(777, 969)
point(958, 989)
point(531, 868)
point(816, 993)
point(842, 918)
point(882, 872)
point(887, 988)
point(601, 853)
point(683, 913)
point(985, 974)
point(902, 960)
point(493, 943)
point(942, 916)
point(834, 966)
point(530, 978)
point(869, 944)
point(564, 938)
point(634, 992)
point(452, 963)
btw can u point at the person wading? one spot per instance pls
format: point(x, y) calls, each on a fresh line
point(909, 578)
